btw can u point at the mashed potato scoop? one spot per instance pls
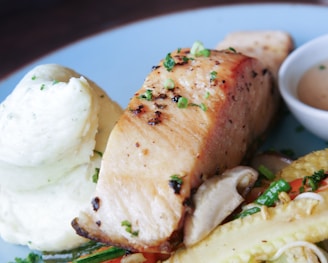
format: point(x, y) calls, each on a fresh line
point(53, 128)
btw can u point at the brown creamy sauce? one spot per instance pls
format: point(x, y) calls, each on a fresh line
point(313, 86)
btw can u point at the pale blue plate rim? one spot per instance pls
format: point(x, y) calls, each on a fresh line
point(120, 58)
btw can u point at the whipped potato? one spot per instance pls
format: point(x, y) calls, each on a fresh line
point(53, 127)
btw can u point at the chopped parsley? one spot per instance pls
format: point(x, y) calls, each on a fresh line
point(33, 77)
point(313, 180)
point(169, 62)
point(55, 82)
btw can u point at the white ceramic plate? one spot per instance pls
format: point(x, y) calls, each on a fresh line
point(118, 60)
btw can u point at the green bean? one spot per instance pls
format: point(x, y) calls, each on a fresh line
point(110, 253)
point(270, 196)
point(248, 212)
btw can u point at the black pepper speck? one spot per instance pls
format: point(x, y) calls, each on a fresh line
point(95, 203)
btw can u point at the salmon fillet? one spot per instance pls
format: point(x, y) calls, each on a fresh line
point(269, 46)
point(162, 149)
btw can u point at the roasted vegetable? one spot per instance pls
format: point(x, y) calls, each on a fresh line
point(258, 237)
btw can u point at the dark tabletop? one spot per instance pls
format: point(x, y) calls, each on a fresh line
point(32, 28)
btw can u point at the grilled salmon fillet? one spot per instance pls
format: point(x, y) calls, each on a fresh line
point(269, 46)
point(194, 117)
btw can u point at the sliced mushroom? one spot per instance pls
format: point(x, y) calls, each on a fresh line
point(216, 199)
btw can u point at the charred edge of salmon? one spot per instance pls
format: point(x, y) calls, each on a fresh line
point(166, 247)
point(82, 232)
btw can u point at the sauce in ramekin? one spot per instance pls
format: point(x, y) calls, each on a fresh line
point(313, 86)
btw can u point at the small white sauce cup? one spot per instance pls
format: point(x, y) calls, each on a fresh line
point(291, 71)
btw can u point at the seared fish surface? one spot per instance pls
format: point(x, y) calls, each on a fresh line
point(195, 116)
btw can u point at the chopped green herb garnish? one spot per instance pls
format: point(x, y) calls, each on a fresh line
point(128, 228)
point(126, 223)
point(31, 258)
point(179, 49)
point(95, 176)
point(169, 62)
point(201, 105)
point(176, 178)
point(182, 103)
point(176, 183)
point(322, 67)
point(148, 95)
point(205, 53)
point(55, 82)
point(213, 75)
point(207, 95)
point(169, 84)
point(33, 77)
point(42, 87)
point(263, 170)
point(199, 50)
point(232, 49)
point(186, 59)
point(313, 180)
